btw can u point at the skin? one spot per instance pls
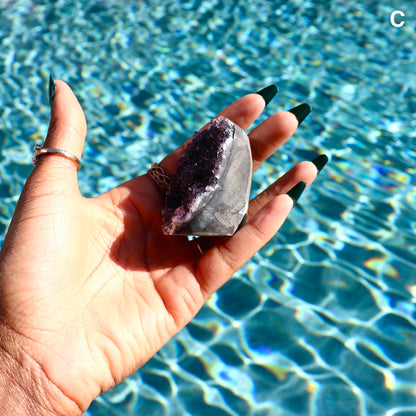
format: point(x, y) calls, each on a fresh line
point(90, 289)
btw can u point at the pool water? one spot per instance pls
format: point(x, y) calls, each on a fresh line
point(322, 320)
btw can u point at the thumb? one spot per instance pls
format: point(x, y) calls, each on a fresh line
point(67, 131)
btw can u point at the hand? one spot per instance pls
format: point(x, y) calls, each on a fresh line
point(91, 288)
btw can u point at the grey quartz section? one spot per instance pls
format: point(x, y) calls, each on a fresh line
point(224, 208)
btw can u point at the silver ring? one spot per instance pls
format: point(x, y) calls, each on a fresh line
point(38, 151)
point(159, 176)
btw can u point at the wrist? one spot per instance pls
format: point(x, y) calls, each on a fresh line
point(24, 388)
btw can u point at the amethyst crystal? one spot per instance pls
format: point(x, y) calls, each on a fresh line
point(209, 192)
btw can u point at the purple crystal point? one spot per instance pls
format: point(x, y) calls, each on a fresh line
point(210, 190)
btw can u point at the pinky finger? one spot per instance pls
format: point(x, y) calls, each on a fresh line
point(219, 263)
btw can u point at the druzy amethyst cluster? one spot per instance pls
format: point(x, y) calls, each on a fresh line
point(210, 189)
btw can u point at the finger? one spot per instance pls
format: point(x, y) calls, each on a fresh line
point(67, 131)
point(218, 264)
point(242, 112)
point(266, 138)
point(304, 171)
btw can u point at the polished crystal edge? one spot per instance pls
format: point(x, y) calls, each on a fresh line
point(210, 189)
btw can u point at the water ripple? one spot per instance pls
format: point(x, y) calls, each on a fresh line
point(322, 321)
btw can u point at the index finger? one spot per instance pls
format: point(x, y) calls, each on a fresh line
point(242, 112)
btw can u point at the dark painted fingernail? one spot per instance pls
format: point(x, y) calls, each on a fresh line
point(268, 93)
point(52, 89)
point(320, 161)
point(296, 191)
point(301, 111)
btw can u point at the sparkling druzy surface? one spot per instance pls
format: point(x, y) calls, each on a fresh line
point(210, 190)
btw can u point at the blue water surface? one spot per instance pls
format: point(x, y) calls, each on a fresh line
point(322, 320)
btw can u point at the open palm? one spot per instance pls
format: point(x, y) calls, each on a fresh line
point(90, 287)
